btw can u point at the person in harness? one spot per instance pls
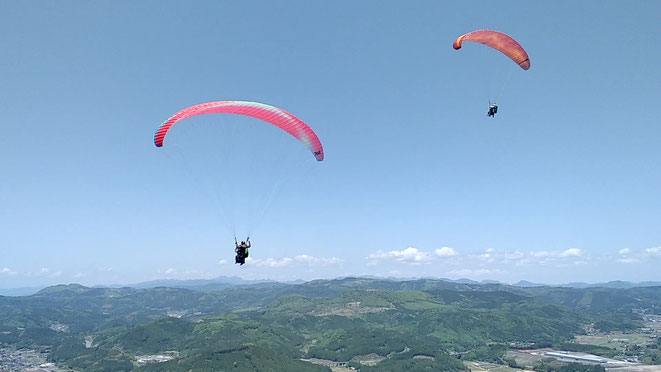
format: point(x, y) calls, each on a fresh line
point(493, 109)
point(242, 251)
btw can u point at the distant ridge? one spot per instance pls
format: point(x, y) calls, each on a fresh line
point(527, 284)
point(466, 281)
point(616, 284)
point(215, 283)
point(625, 285)
point(223, 282)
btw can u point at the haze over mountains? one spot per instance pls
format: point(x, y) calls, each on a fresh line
point(221, 282)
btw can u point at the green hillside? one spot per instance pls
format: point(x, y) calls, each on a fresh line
point(415, 325)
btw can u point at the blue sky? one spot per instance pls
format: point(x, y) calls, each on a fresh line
point(562, 185)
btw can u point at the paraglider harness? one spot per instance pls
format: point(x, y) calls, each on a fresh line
point(493, 109)
point(242, 251)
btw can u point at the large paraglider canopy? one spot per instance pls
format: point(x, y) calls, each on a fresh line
point(270, 114)
point(499, 41)
point(234, 162)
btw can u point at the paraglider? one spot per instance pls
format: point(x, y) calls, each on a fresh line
point(266, 113)
point(242, 251)
point(493, 109)
point(502, 43)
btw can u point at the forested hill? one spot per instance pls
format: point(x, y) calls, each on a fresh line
point(398, 325)
point(130, 306)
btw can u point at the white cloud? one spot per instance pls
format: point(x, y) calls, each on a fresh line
point(492, 263)
point(519, 258)
point(7, 271)
point(626, 257)
point(445, 252)
point(553, 256)
point(171, 271)
point(46, 272)
point(222, 262)
point(273, 262)
point(488, 255)
point(562, 258)
point(408, 255)
point(540, 253)
point(514, 255)
point(656, 251)
point(309, 260)
point(571, 252)
point(300, 260)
